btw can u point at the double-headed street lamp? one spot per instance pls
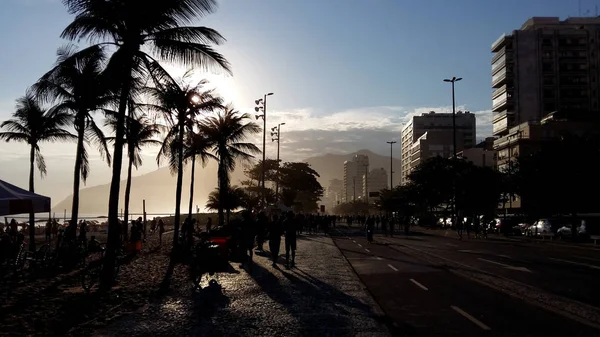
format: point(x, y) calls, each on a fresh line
point(454, 80)
point(276, 136)
point(391, 164)
point(261, 105)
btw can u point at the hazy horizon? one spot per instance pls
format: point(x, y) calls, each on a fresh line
point(344, 78)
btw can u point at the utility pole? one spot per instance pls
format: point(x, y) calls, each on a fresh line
point(391, 164)
point(276, 136)
point(367, 186)
point(354, 186)
point(261, 105)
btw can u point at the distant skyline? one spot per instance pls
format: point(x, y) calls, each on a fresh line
point(345, 75)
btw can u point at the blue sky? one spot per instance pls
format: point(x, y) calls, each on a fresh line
point(354, 68)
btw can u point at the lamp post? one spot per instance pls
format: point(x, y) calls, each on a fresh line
point(367, 186)
point(454, 80)
point(276, 136)
point(391, 164)
point(261, 105)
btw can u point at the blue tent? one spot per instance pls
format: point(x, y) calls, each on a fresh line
point(15, 200)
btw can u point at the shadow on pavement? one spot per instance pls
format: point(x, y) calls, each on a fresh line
point(316, 305)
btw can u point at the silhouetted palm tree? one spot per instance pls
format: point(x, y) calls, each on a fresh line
point(34, 125)
point(227, 131)
point(234, 199)
point(80, 88)
point(179, 103)
point(140, 131)
point(196, 145)
point(159, 27)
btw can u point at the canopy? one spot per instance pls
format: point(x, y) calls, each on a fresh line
point(15, 200)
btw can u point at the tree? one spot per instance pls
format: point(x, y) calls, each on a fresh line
point(433, 180)
point(300, 187)
point(80, 88)
point(196, 145)
point(179, 103)
point(128, 25)
point(234, 199)
point(34, 125)
point(140, 132)
point(228, 132)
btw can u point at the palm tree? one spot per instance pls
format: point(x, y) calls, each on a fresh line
point(79, 86)
point(227, 131)
point(140, 131)
point(159, 27)
point(179, 103)
point(196, 145)
point(33, 125)
point(234, 199)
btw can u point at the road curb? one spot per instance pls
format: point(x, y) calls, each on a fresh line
point(565, 307)
point(392, 326)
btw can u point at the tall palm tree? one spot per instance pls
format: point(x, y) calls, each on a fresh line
point(140, 131)
point(34, 125)
point(196, 145)
point(128, 25)
point(179, 103)
point(228, 131)
point(80, 88)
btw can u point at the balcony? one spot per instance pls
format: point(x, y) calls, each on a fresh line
point(502, 77)
point(501, 42)
point(499, 91)
point(502, 122)
point(501, 102)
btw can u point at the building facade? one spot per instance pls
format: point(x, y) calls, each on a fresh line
point(431, 135)
point(547, 65)
point(483, 154)
point(373, 182)
point(333, 193)
point(353, 171)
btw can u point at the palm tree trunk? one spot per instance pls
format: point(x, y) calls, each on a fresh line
point(77, 172)
point(127, 192)
point(32, 190)
point(115, 183)
point(222, 191)
point(192, 186)
point(179, 184)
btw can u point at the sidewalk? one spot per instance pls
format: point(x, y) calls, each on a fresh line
point(321, 297)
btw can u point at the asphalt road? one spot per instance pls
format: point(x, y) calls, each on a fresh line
point(425, 299)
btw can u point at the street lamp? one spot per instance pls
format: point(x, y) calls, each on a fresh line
point(367, 186)
point(454, 80)
point(391, 164)
point(261, 105)
point(276, 136)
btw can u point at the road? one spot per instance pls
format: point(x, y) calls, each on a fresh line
point(426, 298)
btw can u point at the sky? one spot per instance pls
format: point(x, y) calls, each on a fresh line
point(345, 73)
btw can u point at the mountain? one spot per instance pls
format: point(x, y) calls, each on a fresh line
point(158, 187)
point(331, 166)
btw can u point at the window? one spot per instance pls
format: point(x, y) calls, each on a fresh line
point(547, 66)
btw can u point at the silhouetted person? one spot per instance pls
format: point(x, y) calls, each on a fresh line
point(275, 232)
point(290, 239)
point(248, 235)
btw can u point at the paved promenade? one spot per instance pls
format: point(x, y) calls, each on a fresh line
point(322, 296)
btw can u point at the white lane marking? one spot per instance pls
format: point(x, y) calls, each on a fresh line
point(586, 258)
point(354, 241)
point(360, 245)
point(418, 284)
point(378, 258)
point(507, 266)
point(451, 245)
point(393, 268)
point(366, 250)
point(504, 256)
point(470, 318)
point(470, 251)
point(575, 263)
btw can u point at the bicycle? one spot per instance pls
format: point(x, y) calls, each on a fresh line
point(93, 270)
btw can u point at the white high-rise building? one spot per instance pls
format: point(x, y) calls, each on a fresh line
point(375, 181)
point(353, 172)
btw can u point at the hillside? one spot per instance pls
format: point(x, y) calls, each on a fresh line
point(158, 187)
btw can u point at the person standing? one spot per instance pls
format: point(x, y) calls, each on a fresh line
point(248, 236)
point(275, 232)
point(290, 226)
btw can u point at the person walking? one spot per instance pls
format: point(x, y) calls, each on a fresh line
point(248, 236)
point(275, 232)
point(290, 226)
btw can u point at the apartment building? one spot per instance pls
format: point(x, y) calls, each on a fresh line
point(431, 135)
point(333, 193)
point(483, 154)
point(354, 169)
point(547, 65)
point(373, 182)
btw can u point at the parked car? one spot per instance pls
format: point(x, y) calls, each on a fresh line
point(565, 231)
